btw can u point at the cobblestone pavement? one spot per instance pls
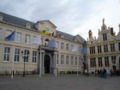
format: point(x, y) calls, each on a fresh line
point(64, 82)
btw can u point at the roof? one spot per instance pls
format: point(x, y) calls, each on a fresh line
point(22, 23)
point(70, 37)
point(16, 21)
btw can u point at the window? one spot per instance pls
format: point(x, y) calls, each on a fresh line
point(119, 46)
point(17, 55)
point(34, 56)
point(27, 39)
point(75, 60)
point(92, 50)
point(104, 36)
point(18, 37)
point(119, 62)
point(106, 61)
point(57, 58)
point(113, 59)
point(67, 59)
point(100, 62)
point(6, 53)
point(62, 59)
point(71, 60)
point(62, 45)
point(0, 33)
point(92, 62)
point(57, 45)
point(99, 49)
point(106, 48)
point(26, 55)
point(112, 47)
point(67, 46)
point(80, 60)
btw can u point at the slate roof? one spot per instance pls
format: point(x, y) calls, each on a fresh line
point(22, 23)
point(16, 21)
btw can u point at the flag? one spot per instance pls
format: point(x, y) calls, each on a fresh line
point(36, 40)
point(44, 32)
point(10, 37)
point(49, 34)
point(84, 50)
point(52, 44)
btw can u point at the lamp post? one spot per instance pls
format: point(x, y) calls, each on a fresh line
point(25, 55)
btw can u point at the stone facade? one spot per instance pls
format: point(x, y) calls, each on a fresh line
point(104, 51)
point(20, 55)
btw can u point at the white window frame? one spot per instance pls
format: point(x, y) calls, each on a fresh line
point(6, 54)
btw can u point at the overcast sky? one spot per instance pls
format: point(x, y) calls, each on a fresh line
point(70, 16)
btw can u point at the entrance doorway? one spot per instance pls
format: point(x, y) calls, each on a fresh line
point(47, 64)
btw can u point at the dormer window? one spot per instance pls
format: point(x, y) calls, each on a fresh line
point(1, 18)
point(104, 37)
point(28, 25)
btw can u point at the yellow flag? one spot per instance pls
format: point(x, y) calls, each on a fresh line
point(44, 32)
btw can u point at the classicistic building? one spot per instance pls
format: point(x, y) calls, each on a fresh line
point(27, 47)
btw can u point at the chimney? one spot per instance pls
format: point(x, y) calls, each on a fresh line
point(111, 31)
point(90, 34)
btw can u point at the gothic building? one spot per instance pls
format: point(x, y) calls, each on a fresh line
point(104, 51)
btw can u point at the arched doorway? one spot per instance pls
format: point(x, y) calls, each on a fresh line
point(47, 64)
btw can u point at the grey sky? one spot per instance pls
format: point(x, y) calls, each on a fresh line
point(71, 16)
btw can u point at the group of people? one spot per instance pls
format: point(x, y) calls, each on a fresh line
point(101, 73)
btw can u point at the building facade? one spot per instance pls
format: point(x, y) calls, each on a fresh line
point(103, 52)
point(23, 54)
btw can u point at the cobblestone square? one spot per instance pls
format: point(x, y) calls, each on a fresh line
point(65, 82)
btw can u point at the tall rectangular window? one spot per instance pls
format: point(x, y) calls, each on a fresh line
point(99, 49)
point(92, 50)
point(62, 45)
point(17, 55)
point(34, 56)
point(26, 55)
point(18, 37)
point(105, 48)
point(80, 61)
point(106, 61)
point(75, 60)
point(57, 44)
point(27, 39)
point(57, 58)
point(119, 46)
point(92, 62)
point(112, 47)
point(67, 46)
point(100, 64)
point(104, 37)
point(6, 53)
point(72, 58)
point(62, 59)
point(113, 59)
point(0, 33)
point(67, 59)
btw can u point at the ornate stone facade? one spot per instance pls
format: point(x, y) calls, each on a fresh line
point(104, 51)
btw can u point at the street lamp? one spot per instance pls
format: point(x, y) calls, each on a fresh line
point(25, 55)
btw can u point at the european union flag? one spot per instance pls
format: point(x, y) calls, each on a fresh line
point(51, 44)
point(10, 37)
